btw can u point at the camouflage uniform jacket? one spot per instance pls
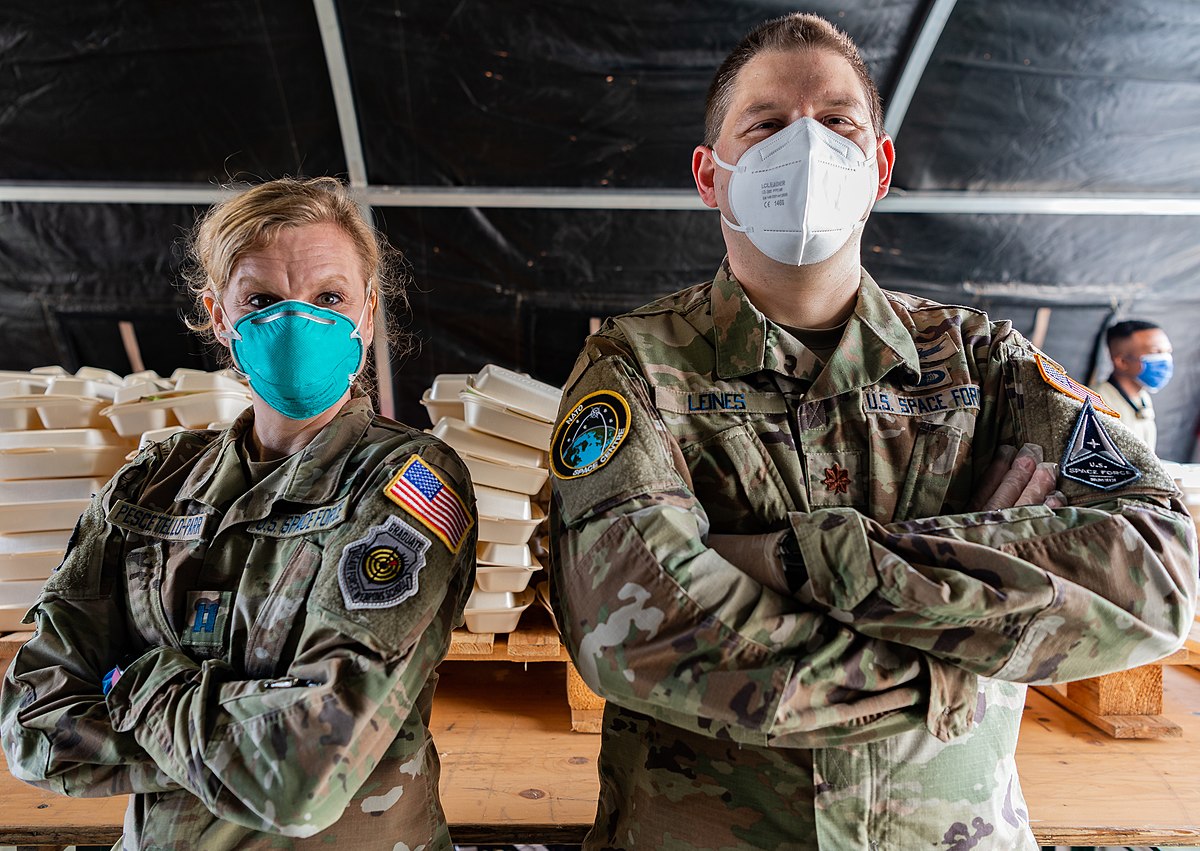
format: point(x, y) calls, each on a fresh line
point(876, 704)
point(258, 707)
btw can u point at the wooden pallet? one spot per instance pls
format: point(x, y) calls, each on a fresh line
point(535, 640)
point(1127, 704)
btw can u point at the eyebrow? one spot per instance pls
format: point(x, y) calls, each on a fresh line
point(769, 105)
point(250, 282)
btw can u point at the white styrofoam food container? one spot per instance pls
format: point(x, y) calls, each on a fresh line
point(463, 439)
point(486, 415)
point(190, 410)
point(491, 611)
point(19, 413)
point(70, 412)
point(441, 400)
point(501, 531)
point(32, 555)
point(504, 577)
point(491, 553)
point(64, 438)
point(504, 504)
point(194, 382)
point(37, 505)
point(61, 453)
point(518, 392)
point(510, 477)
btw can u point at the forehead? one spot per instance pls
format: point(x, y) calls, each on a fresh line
point(813, 76)
point(1150, 339)
point(318, 249)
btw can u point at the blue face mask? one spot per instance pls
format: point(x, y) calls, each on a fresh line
point(1156, 371)
point(300, 358)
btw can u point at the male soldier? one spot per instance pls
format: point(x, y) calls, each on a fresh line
point(794, 545)
point(1142, 364)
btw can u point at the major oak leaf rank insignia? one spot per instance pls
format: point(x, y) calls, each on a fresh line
point(381, 569)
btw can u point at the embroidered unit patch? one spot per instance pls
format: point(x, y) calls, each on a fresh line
point(837, 479)
point(421, 491)
point(1057, 378)
point(589, 435)
point(381, 569)
point(1093, 458)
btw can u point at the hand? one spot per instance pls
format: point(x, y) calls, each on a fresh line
point(1018, 478)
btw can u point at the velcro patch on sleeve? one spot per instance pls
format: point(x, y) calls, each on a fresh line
point(1057, 378)
point(382, 568)
point(589, 435)
point(419, 489)
point(1092, 457)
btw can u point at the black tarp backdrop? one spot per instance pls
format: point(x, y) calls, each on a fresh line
point(1079, 96)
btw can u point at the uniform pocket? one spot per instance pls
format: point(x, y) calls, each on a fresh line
point(143, 588)
point(267, 644)
point(927, 486)
point(736, 482)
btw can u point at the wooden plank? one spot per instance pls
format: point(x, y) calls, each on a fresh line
point(1137, 691)
point(587, 707)
point(471, 644)
point(1116, 725)
point(9, 645)
point(537, 642)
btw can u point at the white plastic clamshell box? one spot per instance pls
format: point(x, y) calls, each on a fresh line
point(518, 392)
point(502, 504)
point(190, 410)
point(487, 415)
point(10, 618)
point(20, 592)
point(496, 611)
point(510, 477)
point(504, 567)
point(32, 555)
point(501, 531)
point(37, 505)
point(464, 439)
point(61, 453)
point(441, 400)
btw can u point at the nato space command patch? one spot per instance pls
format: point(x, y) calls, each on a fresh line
point(589, 435)
point(380, 569)
point(1093, 458)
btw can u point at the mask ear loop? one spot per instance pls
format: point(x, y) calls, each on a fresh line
point(356, 334)
point(230, 335)
point(736, 169)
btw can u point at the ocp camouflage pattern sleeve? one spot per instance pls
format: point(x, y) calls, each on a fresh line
point(53, 719)
point(287, 755)
point(660, 623)
point(1025, 594)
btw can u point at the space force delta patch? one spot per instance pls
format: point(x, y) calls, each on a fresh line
point(381, 569)
point(1092, 458)
point(589, 435)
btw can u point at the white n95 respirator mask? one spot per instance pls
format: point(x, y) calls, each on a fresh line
point(799, 194)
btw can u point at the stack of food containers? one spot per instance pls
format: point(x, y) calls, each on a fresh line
point(500, 422)
point(62, 437)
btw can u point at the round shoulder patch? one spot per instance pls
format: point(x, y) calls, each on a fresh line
point(589, 435)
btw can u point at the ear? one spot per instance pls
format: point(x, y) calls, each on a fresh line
point(703, 172)
point(885, 158)
point(217, 314)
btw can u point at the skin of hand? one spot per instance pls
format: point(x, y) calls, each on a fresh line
point(1017, 478)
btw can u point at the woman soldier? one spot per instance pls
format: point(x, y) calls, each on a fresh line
point(245, 629)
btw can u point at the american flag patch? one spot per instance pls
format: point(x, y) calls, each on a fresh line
point(421, 491)
point(1057, 378)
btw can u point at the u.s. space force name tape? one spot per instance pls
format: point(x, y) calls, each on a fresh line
point(153, 524)
point(876, 401)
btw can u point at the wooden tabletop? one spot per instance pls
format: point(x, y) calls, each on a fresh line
point(512, 771)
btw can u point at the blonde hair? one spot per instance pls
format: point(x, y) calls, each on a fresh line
point(251, 219)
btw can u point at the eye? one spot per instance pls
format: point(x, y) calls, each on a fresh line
point(328, 300)
point(260, 300)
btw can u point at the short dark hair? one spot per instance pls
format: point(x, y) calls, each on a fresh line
point(1125, 330)
point(791, 32)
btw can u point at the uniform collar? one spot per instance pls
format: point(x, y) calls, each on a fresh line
point(874, 343)
point(312, 475)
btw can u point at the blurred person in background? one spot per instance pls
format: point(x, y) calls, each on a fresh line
point(1142, 364)
point(244, 631)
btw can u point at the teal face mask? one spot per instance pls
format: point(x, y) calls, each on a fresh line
point(299, 358)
